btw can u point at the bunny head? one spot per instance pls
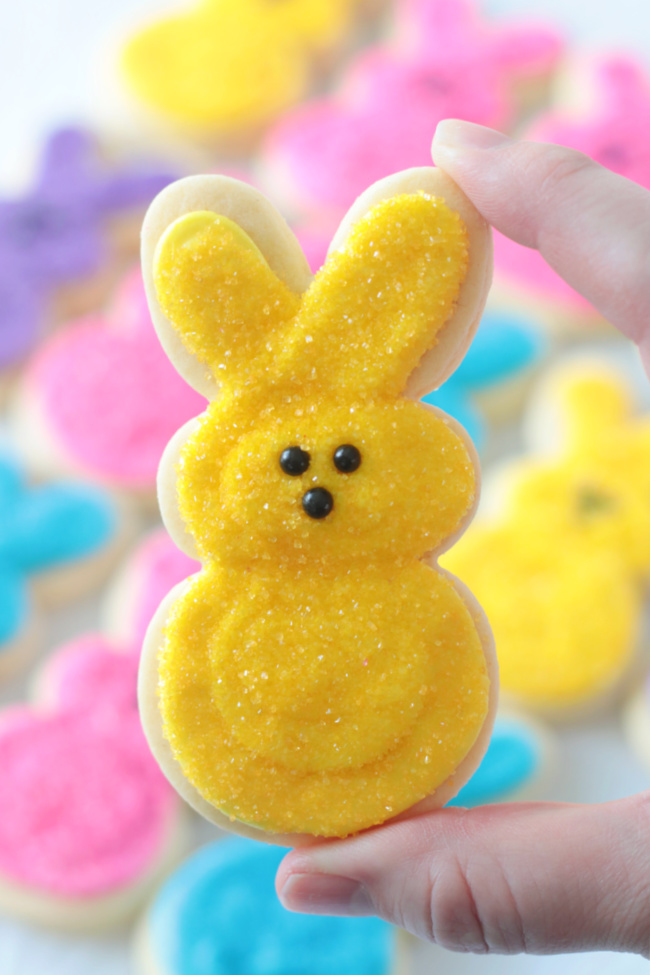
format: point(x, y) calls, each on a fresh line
point(448, 65)
point(597, 491)
point(614, 128)
point(311, 453)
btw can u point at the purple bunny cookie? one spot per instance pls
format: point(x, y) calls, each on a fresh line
point(56, 234)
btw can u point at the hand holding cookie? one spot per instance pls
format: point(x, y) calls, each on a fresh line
point(537, 878)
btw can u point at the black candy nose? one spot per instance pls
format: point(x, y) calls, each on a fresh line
point(318, 502)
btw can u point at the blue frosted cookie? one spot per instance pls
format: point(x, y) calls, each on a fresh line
point(218, 914)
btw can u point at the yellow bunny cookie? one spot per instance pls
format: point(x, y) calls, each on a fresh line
point(227, 67)
point(321, 674)
point(560, 566)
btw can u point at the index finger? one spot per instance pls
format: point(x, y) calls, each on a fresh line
point(591, 225)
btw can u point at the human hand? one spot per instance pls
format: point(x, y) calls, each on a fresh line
point(522, 877)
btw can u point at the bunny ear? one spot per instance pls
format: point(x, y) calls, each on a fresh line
point(412, 256)
point(222, 273)
point(219, 293)
point(578, 404)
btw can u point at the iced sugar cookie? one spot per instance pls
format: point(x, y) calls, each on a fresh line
point(319, 675)
point(636, 722)
point(57, 541)
point(561, 559)
point(149, 573)
point(612, 127)
point(223, 69)
point(324, 153)
point(101, 400)
point(88, 824)
point(503, 354)
point(56, 242)
point(200, 923)
point(516, 766)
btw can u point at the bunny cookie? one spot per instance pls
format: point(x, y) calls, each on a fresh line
point(58, 240)
point(225, 68)
point(561, 561)
point(88, 824)
point(319, 675)
point(199, 923)
point(324, 153)
point(614, 130)
point(101, 400)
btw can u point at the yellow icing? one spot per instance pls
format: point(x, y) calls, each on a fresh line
point(231, 63)
point(317, 677)
point(559, 570)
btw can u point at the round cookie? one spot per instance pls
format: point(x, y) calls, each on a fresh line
point(322, 727)
point(561, 553)
point(199, 923)
point(100, 400)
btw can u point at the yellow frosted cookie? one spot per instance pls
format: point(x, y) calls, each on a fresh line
point(227, 66)
point(320, 675)
point(560, 566)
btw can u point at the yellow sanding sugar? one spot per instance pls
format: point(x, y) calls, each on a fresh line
point(229, 63)
point(321, 703)
point(317, 677)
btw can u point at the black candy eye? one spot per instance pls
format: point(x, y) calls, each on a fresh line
point(294, 461)
point(347, 459)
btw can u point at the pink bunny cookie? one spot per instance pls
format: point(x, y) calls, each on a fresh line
point(614, 129)
point(101, 400)
point(448, 64)
point(88, 824)
point(154, 568)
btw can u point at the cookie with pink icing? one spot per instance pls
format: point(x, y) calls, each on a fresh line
point(88, 824)
point(100, 399)
point(153, 568)
point(448, 63)
point(613, 127)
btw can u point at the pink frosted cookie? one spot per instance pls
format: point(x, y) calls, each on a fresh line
point(87, 822)
point(614, 129)
point(152, 570)
point(101, 400)
point(448, 64)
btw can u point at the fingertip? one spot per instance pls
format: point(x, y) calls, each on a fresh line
point(453, 137)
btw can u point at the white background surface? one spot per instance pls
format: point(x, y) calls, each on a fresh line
point(49, 50)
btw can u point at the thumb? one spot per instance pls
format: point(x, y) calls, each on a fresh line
point(538, 877)
point(591, 225)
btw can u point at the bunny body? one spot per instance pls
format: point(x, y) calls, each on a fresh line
point(319, 675)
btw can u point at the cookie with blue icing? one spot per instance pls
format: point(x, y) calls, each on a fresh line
point(516, 762)
point(218, 914)
point(505, 349)
point(57, 540)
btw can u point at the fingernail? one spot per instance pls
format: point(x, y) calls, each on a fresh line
point(456, 134)
point(317, 893)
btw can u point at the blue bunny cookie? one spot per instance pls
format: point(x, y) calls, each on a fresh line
point(218, 914)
